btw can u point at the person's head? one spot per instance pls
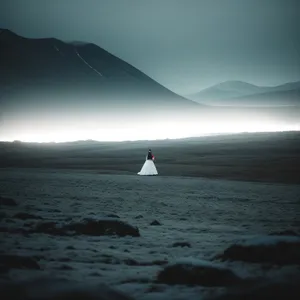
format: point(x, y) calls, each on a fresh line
point(149, 150)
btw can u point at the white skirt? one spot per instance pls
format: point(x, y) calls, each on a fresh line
point(148, 168)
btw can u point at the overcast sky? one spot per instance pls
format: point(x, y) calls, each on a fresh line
point(185, 45)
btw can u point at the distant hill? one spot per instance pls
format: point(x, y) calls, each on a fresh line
point(238, 93)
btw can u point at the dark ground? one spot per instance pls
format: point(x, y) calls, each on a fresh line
point(61, 219)
point(268, 157)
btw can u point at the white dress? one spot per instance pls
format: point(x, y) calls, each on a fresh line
point(148, 168)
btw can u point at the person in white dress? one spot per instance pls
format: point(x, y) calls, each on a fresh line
point(149, 168)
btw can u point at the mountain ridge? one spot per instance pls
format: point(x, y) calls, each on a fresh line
point(234, 92)
point(41, 61)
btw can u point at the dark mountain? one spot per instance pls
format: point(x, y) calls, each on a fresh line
point(238, 93)
point(36, 70)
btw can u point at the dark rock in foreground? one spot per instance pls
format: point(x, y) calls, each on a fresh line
point(90, 227)
point(54, 289)
point(266, 291)
point(279, 250)
point(7, 201)
point(198, 273)
point(103, 227)
point(26, 216)
point(18, 262)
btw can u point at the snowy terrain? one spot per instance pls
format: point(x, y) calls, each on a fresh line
point(203, 216)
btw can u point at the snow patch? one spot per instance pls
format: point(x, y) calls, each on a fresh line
point(87, 63)
point(58, 50)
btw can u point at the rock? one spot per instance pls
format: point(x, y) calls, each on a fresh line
point(59, 289)
point(48, 228)
point(199, 273)
point(113, 216)
point(278, 250)
point(7, 201)
point(18, 262)
point(103, 227)
point(155, 223)
point(132, 262)
point(139, 217)
point(89, 227)
point(26, 216)
point(263, 291)
point(64, 268)
point(182, 244)
point(109, 259)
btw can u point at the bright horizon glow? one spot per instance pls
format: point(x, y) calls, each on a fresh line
point(159, 131)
